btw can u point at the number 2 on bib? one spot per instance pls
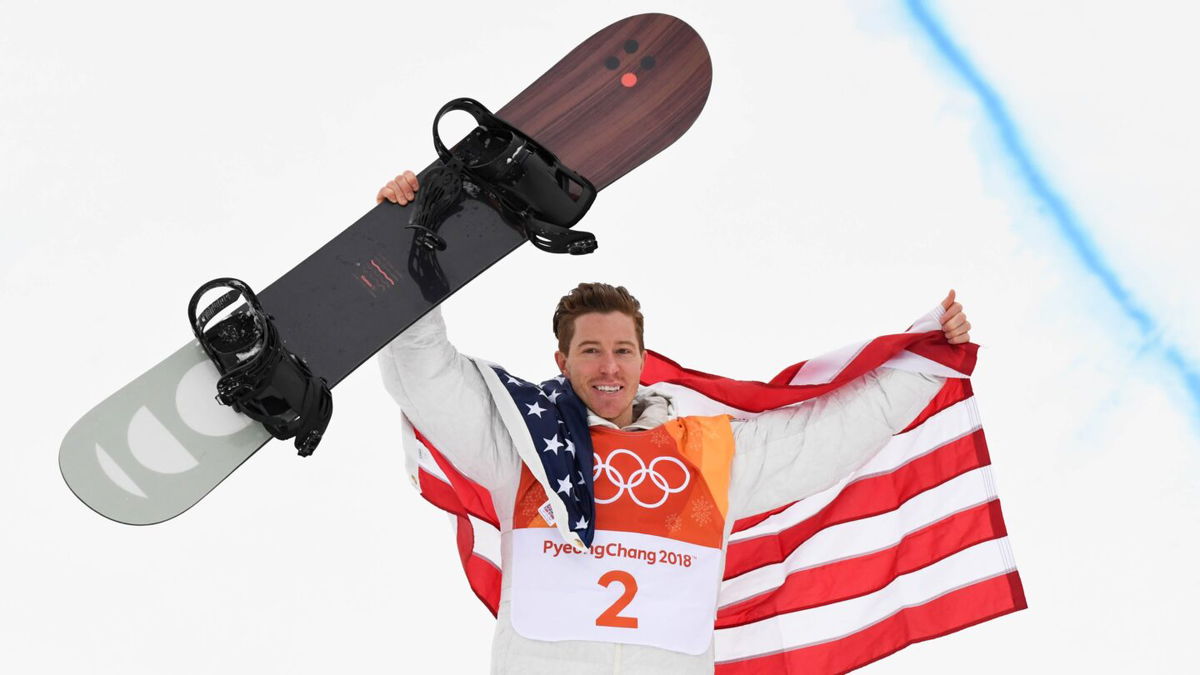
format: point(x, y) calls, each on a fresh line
point(611, 616)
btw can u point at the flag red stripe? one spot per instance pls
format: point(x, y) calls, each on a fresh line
point(861, 499)
point(474, 497)
point(868, 573)
point(760, 396)
point(943, 615)
point(954, 390)
point(440, 493)
point(750, 521)
point(959, 357)
point(485, 582)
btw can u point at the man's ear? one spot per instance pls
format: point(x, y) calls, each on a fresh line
point(561, 359)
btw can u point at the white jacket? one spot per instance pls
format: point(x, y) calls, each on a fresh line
point(780, 457)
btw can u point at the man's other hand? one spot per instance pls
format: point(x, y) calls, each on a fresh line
point(399, 190)
point(954, 321)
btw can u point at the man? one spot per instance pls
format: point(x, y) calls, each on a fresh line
point(667, 489)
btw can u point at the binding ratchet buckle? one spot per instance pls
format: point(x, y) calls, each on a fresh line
point(260, 378)
point(523, 178)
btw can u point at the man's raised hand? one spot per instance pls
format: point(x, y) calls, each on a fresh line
point(400, 190)
point(954, 321)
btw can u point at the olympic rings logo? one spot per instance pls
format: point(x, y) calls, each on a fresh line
point(638, 477)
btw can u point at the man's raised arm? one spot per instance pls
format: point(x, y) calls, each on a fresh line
point(786, 455)
point(789, 454)
point(442, 392)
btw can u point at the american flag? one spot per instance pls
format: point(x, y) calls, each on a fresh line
point(910, 547)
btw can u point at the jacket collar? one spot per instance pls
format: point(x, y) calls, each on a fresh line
point(650, 409)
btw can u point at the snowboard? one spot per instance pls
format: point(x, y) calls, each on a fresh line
point(161, 443)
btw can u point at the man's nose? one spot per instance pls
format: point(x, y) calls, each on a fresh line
point(608, 364)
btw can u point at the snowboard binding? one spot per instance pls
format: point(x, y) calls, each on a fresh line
point(525, 180)
point(260, 378)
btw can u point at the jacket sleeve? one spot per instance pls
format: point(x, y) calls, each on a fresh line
point(788, 454)
point(445, 398)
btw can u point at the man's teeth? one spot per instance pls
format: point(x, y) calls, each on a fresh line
point(608, 389)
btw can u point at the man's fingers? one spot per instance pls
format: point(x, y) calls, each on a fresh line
point(403, 190)
point(411, 179)
point(954, 322)
point(959, 334)
point(400, 190)
point(405, 185)
point(949, 300)
point(393, 194)
point(951, 312)
point(959, 328)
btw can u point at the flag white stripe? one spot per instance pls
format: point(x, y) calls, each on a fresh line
point(947, 425)
point(427, 464)
point(416, 455)
point(867, 535)
point(830, 622)
point(825, 367)
point(689, 402)
point(931, 320)
point(916, 363)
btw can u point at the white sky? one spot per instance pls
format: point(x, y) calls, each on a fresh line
point(842, 177)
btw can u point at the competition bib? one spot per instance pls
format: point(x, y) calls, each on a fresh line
point(652, 574)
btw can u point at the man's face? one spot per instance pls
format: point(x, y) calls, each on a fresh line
point(604, 364)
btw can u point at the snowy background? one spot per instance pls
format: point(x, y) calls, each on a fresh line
point(855, 160)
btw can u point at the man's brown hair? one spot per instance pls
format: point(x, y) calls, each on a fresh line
point(594, 297)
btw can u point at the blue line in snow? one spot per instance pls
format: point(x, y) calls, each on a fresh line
point(1075, 234)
